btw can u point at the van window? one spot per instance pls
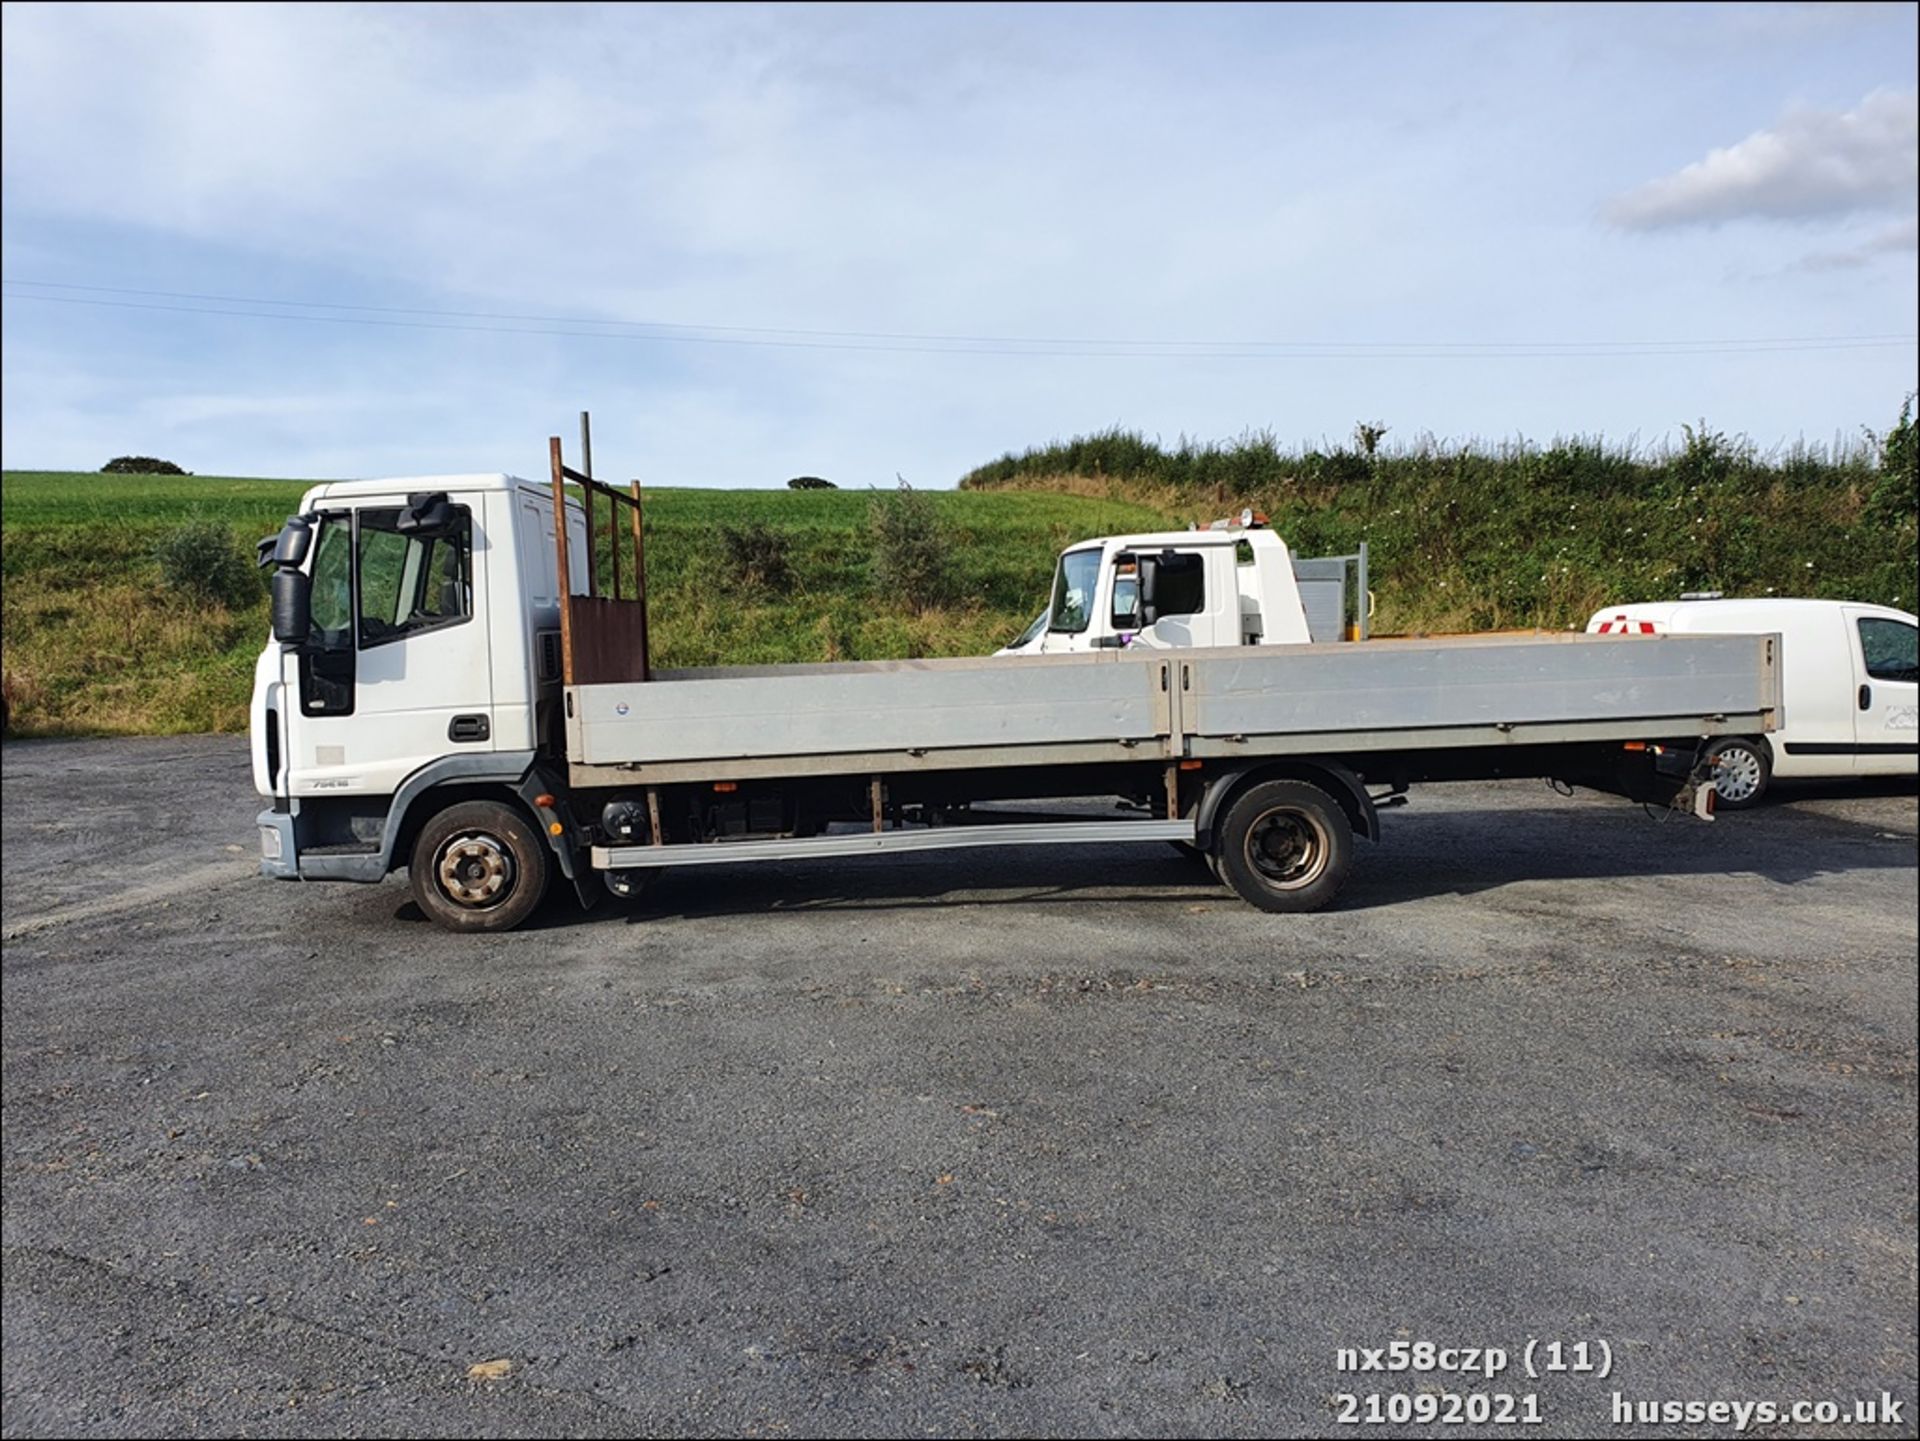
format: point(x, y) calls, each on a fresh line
point(1891, 648)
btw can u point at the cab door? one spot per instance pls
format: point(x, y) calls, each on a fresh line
point(1887, 707)
point(1188, 599)
point(400, 670)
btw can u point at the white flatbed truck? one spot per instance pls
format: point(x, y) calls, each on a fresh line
point(459, 684)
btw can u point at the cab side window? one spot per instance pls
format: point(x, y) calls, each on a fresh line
point(411, 583)
point(1891, 649)
point(1182, 587)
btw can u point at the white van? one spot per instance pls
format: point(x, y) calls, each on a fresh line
point(1847, 675)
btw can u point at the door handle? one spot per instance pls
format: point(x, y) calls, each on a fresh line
point(1866, 697)
point(468, 728)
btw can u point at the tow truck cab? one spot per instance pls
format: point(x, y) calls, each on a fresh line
point(1234, 583)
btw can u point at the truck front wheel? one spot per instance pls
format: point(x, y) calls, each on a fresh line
point(1285, 846)
point(479, 866)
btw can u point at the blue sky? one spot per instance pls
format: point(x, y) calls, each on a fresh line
point(1472, 221)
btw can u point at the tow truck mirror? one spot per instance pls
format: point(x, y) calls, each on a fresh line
point(292, 606)
point(1149, 573)
point(428, 515)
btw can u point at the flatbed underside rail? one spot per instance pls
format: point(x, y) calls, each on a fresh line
point(932, 838)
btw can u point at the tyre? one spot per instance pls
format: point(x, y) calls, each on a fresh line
point(479, 866)
point(1285, 846)
point(1741, 770)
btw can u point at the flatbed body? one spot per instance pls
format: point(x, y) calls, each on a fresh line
point(736, 723)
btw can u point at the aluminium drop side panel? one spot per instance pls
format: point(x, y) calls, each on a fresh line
point(1673, 683)
point(879, 709)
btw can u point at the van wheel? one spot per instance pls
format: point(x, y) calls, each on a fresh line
point(1285, 846)
point(479, 866)
point(1741, 770)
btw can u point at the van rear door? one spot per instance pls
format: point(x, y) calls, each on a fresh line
point(1886, 716)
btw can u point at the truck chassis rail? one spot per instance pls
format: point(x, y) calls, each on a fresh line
point(936, 838)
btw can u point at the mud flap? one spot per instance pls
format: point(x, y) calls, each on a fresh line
point(566, 850)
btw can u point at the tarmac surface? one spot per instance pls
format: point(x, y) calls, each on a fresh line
point(1002, 1144)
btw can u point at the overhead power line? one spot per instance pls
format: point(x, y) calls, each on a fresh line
point(665, 332)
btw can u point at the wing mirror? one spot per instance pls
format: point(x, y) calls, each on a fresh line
point(290, 588)
point(428, 514)
point(1148, 569)
point(292, 606)
point(289, 547)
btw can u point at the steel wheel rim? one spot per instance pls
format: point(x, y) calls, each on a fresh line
point(474, 870)
point(1288, 849)
point(1736, 774)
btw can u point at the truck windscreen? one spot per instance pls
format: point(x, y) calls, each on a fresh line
point(1073, 591)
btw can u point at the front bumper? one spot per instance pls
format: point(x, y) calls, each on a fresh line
point(278, 857)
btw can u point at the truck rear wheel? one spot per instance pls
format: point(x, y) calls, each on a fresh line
point(479, 866)
point(1285, 846)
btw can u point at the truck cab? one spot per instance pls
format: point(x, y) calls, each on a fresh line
point(429, 654)
point(1234, 583)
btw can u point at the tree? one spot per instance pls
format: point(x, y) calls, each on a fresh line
point(141, 465)
point(912, 551)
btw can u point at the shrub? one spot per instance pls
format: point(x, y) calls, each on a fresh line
point(810, 482)
point(202, 562)
point(141, 465)
point(1896, 494)
point(912, 551)
point(756, 557)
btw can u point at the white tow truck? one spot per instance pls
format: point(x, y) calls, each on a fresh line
point(459, 684)
point(1235, 582)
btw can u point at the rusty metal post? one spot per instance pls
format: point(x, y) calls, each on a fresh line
point(586, 495)
point(640, 584)
point(613, 544)
point(560, 551)
point(876, 793)
point(1173, 790)
point(653, 815)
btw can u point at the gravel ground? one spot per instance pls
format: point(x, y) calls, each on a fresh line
point(1025, 1144)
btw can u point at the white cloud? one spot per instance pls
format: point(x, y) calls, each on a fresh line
point(1895, 240)
point(1814, 163)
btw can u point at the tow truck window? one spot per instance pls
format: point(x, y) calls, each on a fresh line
point(411, 583)
point(1181, 588)
point(1073, 592)
point(1891, 649)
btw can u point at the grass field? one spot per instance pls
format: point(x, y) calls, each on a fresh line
point(94, 645)
point(1462, 537)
